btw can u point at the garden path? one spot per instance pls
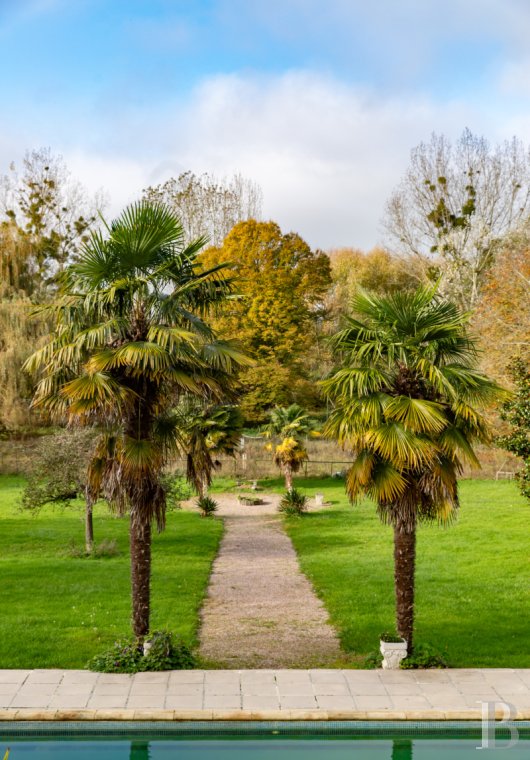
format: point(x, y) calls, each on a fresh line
point(261, 611)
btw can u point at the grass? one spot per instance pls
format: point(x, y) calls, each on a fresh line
point(58, 611)
point(472, 590)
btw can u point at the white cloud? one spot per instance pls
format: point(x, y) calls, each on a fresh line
point(327, 155)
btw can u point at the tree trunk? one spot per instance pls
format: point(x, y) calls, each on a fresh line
point(404, 566)
point(203, 486)
point(288, 477)
point(140, 538)
point(89, 523)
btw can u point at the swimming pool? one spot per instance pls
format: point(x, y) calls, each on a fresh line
point(314, 740)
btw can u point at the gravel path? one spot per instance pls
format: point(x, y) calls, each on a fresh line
point(261, 611)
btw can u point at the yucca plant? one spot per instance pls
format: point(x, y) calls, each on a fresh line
point(405, 400)
point(207, 506)
point(293, 502)
point(130, 340)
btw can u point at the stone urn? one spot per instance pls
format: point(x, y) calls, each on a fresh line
point(393, 651)
point(319, 500)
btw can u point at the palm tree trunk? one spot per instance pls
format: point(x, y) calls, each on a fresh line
point(89, 523)
point(140, 539)
point(203, 486)
point(404, 567)
point(288, 477)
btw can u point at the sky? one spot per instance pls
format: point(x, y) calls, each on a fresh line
point(320, 103)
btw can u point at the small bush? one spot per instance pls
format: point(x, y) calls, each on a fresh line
point(251, 501)
point(177, 490)
point(126, 656)
point(373, 661)
point(106, 548)
point(207, 506)
point(167, 653)
point(293, 502)
point(392, 637)
point(424, 656)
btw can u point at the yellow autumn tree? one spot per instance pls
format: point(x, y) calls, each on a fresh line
point(502, 319)
point(283, 284)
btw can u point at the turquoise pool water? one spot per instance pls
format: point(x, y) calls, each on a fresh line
point(262, 749)
point(278, 741)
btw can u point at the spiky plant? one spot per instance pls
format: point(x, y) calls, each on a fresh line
point(130, 340)
point(405, 400)
point(293, 502)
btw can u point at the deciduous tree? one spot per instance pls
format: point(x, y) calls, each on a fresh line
point(377, 271)
point(46, 219)
point(502, 318)
point(60, 472)
point(283, 284)
point(516, 411)
point(454, 204)
point(208, 206)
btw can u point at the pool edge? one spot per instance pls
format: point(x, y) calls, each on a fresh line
point(27, 714)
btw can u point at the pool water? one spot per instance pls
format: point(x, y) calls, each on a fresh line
point(339, 741)
point(261, 749)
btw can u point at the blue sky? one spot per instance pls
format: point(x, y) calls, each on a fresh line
point(318, 102)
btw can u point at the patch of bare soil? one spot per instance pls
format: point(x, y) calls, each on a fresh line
point(261, 611)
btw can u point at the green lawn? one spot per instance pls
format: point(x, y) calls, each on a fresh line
point(472, 589)
point(473, 596)
point(58, 611)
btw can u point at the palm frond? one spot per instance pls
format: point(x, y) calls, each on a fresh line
point(418, 415)
point(400, 446)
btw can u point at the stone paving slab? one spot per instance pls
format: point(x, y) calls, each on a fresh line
point(260, 694)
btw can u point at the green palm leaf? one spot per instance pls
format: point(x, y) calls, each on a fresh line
point(418, 415)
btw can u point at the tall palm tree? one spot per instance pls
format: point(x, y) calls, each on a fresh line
point(291, 424)
point(405, 399)
point(130, 340)
point(207, 431)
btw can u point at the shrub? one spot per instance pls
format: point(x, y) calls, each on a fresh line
point(177, 490)
point(293, 502)
point(392, 637)
point(373, 661)
point(123, 657)
point(167, 653)
point(424, 656)
point(251, 501)
point(126, 656)
point(207, 506)
point(106, 548)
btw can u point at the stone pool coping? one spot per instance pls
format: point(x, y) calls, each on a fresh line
point(264, 695)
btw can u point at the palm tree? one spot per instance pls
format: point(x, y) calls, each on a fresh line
point(130, 340)
point(207, 431)
point(291, 424)
point(405, 400)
